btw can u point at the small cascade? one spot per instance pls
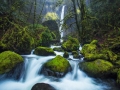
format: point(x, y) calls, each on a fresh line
point(61, 22)
point(74, 80)
point(74, 75)
point(32, 52)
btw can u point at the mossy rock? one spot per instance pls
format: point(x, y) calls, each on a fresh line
point(97, 68)
point(91, 52)
point(66, 55)
point(89, 48)
point(72, 44)
point(18, 40)
point(111, 56)
point(59, 49)
point(42, 86)
point(8, 60)
point(44, 51)
point(92, 57)
point(57, 67)
point(75, 54)
point(94, 42)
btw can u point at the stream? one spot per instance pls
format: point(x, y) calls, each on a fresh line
point(75, 80)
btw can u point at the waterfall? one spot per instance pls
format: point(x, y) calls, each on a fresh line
point(61, 22)
point(74, 80)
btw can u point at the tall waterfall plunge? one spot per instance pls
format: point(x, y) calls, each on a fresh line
point(61, 22)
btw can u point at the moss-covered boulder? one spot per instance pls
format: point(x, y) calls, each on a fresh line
point(8, 60)
point(92, 52)
point(18, 40)
point(75, 54)
point(66, 55)
point(44, 51)
point(46, 38)
point(97, 68)
point(72, 44)
point(56, 67)
point(59, 49)
point(53, 27)
point(89, 48)
point(111, 56)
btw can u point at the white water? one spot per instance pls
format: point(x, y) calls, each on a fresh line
point(61, 23)
point(75, 80)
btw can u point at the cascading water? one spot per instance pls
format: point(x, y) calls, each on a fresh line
point(61, 22)
point(75, 80)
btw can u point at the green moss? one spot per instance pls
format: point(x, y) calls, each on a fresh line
point(91, 57)
point(75, 54)
point(44, 51)
point(51, 16)
point(92, 52)
point(94, 42)
point(58, 64)
point(46, 38)
point(72, 44)
point(118, 62)
point(18, 40)
point(66, 55)
point(89, 48)
point(59, 49)
point(9, 60)
point(97, 67)
point(111, 55)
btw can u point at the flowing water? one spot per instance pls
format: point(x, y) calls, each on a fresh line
point(61, 22)
point(75, 80)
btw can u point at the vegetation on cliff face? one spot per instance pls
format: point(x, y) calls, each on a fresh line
point(8, 60)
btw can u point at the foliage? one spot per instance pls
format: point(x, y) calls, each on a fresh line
point(51, 16)
point(18, 39)
point(8, 60)
point(46, 38)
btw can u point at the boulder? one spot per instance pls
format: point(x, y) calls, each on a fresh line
point(75, 54)
point(66, 55)
point(72, 44)
point(97, 68)
point(44, 51)
point(8, 60)
point(18, 40)
point(91, 52)
point(53, 27)
point(56, 67)
point(59, 49)
point(42, 86)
